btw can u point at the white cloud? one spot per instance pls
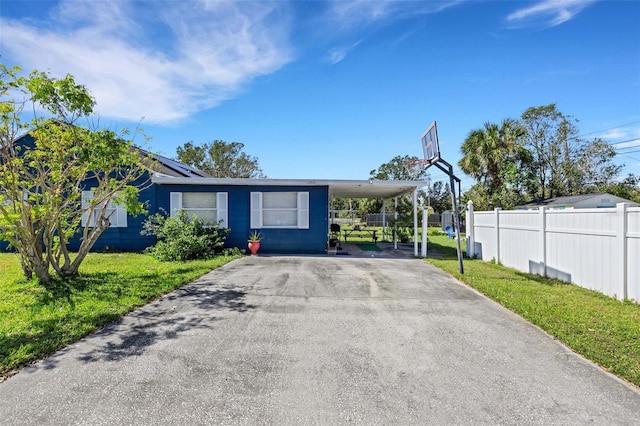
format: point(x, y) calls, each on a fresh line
point(158, 60)
point(626, 145)
point(620, 133)
point(615, 134)
point(343, 17)
point(547, 13)
point(337, 54)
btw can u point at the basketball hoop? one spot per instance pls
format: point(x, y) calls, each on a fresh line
point(415, 167)
point(416, 162)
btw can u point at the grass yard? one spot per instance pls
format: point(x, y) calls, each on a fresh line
point(35, 321)
point(600, 328)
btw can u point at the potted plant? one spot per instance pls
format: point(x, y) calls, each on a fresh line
point(254, 242)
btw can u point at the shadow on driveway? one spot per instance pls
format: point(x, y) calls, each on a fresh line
point(319, 340)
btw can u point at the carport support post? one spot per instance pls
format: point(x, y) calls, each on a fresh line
point(395, 224)
point(384, 220)
point(415, 222)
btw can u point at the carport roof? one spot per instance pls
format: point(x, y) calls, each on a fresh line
point(372, 188)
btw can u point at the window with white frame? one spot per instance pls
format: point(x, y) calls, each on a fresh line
point(211, 207)
point(280, 210)
point(117, 214)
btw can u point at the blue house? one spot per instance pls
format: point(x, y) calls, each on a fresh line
point(292, 215)
point(125, 230)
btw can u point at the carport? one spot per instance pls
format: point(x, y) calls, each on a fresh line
point(239, 205)
point(384, 190)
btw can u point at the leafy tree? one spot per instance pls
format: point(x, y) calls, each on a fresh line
point(628, 188)
point(480, 198)
point(538, 157)
point(440, 194)
point(495, 156)
point(565, 164)
point(399, 168)
point(220, 159)
point(551, 138)
point(41, 184)
point(595, 165)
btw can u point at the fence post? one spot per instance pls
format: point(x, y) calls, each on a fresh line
point(497, 214)
point(415, 222)
point(543, 241)
point(471, 237)
point(621, 241)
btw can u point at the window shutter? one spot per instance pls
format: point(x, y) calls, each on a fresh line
point(175, 203)
point(222, 208)
point(121, 216)
point(303, 210)
point(256, 210)
point(87, 196)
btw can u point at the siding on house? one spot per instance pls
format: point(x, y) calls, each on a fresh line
point(308, 236)
point(274, 240)
point(128, 238)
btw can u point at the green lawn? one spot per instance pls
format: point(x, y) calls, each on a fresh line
point(598, 327)
point(35, 321)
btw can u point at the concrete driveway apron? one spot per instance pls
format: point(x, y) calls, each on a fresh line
point(318, 340)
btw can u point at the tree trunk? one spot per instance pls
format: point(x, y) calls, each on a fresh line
point(42, 273)
point(26, 269)
point(32, 264)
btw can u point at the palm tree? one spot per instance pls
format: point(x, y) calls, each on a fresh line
point(488, 150)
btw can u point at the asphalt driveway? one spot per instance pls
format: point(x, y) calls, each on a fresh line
point(319, 340)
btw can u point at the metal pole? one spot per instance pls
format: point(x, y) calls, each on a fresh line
point(456, 218)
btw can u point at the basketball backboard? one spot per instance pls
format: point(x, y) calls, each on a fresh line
point(430, 146)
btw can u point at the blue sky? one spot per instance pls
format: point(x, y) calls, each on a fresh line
point(333, 89)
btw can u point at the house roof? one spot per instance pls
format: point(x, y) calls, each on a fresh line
point(337, 188)
point(169, 167)
point(156, 162)
point(570, 200)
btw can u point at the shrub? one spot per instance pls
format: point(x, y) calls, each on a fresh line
point(184, 237)
point(403, 234)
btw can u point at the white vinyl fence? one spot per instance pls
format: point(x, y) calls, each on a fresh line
point(598, 249)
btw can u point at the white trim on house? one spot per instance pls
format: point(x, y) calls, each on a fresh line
point(299, 212)
point(117, 217)
point(337, 188)
point(221, 208)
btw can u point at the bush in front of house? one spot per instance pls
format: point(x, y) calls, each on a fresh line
point(184, 237)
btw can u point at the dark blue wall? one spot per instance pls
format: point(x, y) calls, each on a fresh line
point(310, 240)
point(156, 198)
point(125, 239)
point(129, 238)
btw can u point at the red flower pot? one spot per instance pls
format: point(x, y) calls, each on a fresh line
point(254, 246)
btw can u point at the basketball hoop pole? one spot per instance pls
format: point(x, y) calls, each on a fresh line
point(431, 150)
point(454, 205)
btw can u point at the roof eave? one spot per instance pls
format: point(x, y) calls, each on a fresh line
point(372, 188)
